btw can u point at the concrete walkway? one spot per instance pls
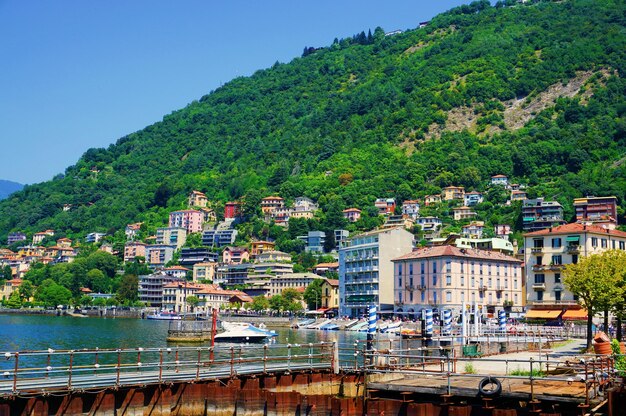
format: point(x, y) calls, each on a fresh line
point(502, 363)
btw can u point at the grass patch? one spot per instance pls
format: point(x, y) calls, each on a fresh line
point(526, 373)
point(469, 369)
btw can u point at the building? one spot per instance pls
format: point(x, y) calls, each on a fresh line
point(151, 288)
point(39, 237)
point(197, 199)
point(491, 244)
point(322, 268)
point(463, 213)
point(173, 236)
point(352, 214)
point(340, 236)
point(190, 256)
point(189, 219)
point(132, 230)
point(175, 295)
point(448, 277)
point(271, 203)
point(232, 274)
point(134, 249)
point(503, 231)
point(518, 196)
point(432, 199)
point(209, 214)
point(260, 247)
point(431, 226)
point(472, 198)
point(176, 271)
point(94, 237)
point(290, 281)
point(394, 221)
point(270, 269)
point(216, 298)
point(314, 241)
point(304, 204)
point(597, 210)
point(548, 251)
point(366, 270)
point(218, 238)
point(538, 214)
point(204, 271)
point(235, 255)
point(330, 294)
point(500, 180)
point(9, 287)
point(451, 193)
point(474, 229)
point(273, 256)
point(158, 255)
point(411, 209)
point(13, 238)
point(385, 206)
point(232, 210)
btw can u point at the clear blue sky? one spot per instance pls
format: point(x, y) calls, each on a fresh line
point(77, 74)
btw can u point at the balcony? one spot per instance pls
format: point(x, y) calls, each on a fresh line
point(556, 267)
point(539, 286)
point(482, 288)
point(573, 249)
point(536, 250)
point(499, 288)
point(553, 302)
point(420, 287)
point(538, 268)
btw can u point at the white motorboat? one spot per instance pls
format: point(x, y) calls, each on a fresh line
point(242, 332)
point(164, 316)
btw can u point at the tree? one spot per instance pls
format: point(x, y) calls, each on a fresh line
point(14, 301)
point(194, 240)
point(192, 301)
point(85, 300)
point(99, 302)
point(26, 290)
point(597, 280)
point(97, 281)
point(313, 294)
point(259, 303)
point(51, 293)
point(276, 303)
point(6, 273)
point(128, 290)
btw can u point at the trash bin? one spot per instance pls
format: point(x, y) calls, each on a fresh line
point(470, 350)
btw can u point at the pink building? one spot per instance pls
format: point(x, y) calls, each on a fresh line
point(352, 214)
point(189, 219)
point(235, 255)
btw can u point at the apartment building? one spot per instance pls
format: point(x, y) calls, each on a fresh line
point(538, 214)
point(448, 276)
point(366, 270)
point(597, 210)
point(548, 251)
point(450, 193)
point(189, 219)
point(173, 236)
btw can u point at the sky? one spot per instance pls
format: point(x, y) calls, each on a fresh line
point(78, 74)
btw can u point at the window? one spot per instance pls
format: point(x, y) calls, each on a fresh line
point(422, 267)
point(422, 281)
point(594, 241)
point(462, 267)
point(489, 269)
point(473, 281)
point(515, 297)
point(557, 295)
point(434, 267)
point(400, 281)
point(472, 267)
point(557, 277)
point(473, 296)
point(411, 281)
point(462, 296)
point(540, 278)
point(400, 297)
point(448, 280)
point(448, 266)
point(480, 268)
point(423, 296)
point(410, 268)
point(462, 280)
point(556, 243)
point(489, 282)
point(604, 243)
point(622, 245)
point(539, 295)
point(411, 297)
point(435, 297)
point(557, 259)
point(491, 298)
point(574, 258)
point(538, 243)
point(400, 269)
point(448, 297)
point(434, 280)
point(539, 260)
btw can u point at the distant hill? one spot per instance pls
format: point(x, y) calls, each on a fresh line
point(535, 91)
point(8, 187)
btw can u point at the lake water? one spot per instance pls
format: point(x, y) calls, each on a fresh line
point(40, 332)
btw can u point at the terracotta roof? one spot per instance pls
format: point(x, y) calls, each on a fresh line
point(499, 176)
point(204, 264)
point(453, 251)
point(411, 201)
point(329, 265)
point(333, 282)
point(460, 208)
point(352, 210)
point(577, 228)
point(15, 282)
point(177, 268)
point(269, 198)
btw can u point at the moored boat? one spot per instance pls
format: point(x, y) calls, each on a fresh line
point(164, 316)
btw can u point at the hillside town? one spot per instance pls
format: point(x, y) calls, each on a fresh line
point(407, 264)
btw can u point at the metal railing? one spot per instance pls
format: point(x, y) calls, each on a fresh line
point(36, 372)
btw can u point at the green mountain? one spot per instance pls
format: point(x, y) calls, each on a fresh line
point(533, 91)
point(8, 187)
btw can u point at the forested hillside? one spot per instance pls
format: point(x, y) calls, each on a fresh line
point(534, 91)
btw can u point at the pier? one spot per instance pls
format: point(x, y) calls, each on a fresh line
point(307, 379)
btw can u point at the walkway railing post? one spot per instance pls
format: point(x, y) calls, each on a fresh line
point(265, 359)
point(288, 357)
point(232, 361)
point(119, 365)
point(532, 384)
point(17, 359)
point(335, 357)
point(160, 365)
point(198, 364)
point(69, 377)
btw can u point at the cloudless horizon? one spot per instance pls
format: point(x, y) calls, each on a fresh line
point(83, 74)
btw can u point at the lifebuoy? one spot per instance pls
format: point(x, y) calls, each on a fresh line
point(495, 391)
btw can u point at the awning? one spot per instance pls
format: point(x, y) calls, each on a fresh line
point(575, 314)
point(539, 314)
point(573, 238)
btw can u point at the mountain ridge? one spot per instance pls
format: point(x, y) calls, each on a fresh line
point(8, 187)
point(335, 124)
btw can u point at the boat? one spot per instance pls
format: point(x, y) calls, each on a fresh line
point(242, 332)
point(392, 327)
point(164, 316)
point(358, 326)
point(329, 327)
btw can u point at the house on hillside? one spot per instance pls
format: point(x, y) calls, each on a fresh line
point(197, 199)
point(352, 214)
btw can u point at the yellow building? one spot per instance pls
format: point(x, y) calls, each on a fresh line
point(330, 294)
